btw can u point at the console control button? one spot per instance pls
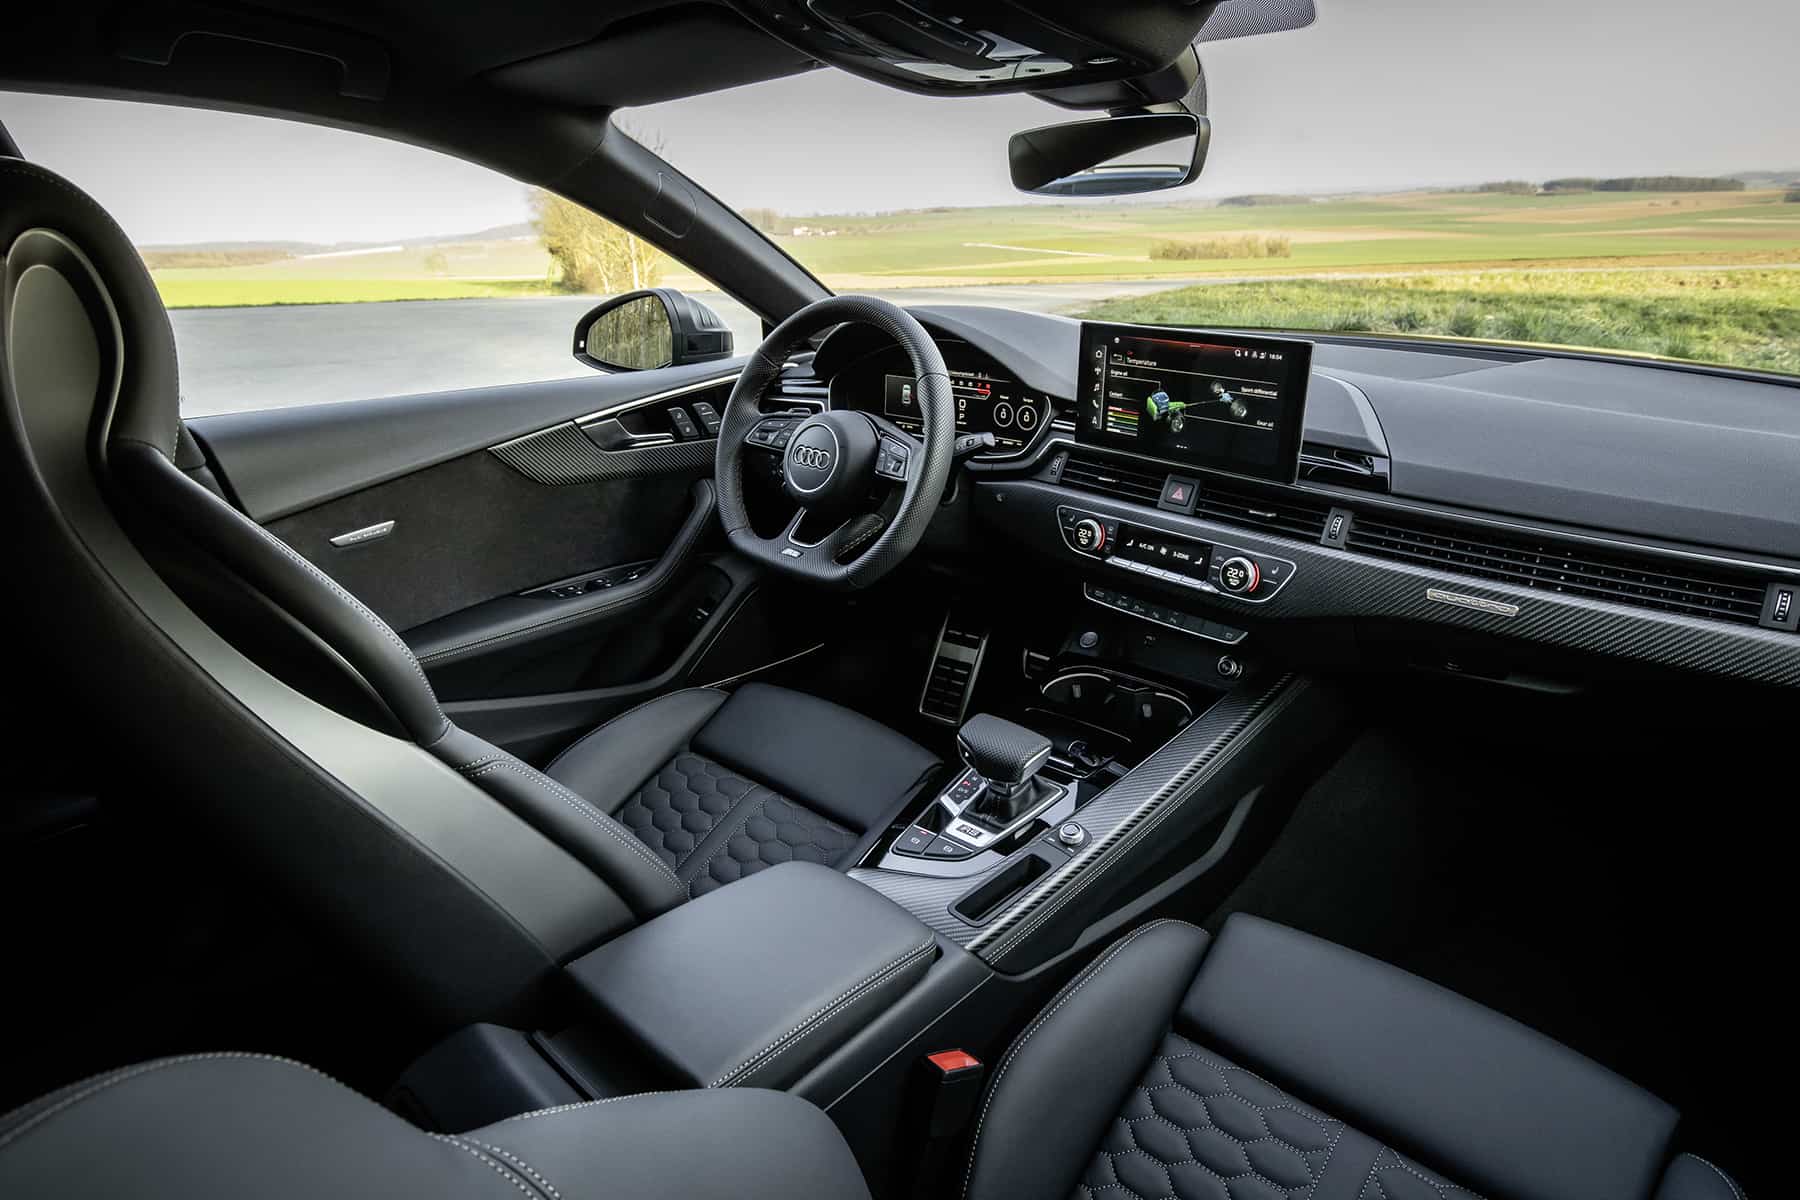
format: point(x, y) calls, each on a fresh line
point(1072, 835)
point(1239, 575)
point(1229, 667)
point(914, 841)
point(709, 418)
point(943, 847)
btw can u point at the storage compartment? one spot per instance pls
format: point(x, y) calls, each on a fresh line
point(754, 984)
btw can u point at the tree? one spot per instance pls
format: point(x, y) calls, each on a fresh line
point(588, 253)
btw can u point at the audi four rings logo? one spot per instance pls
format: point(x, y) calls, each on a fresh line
point(811, 456)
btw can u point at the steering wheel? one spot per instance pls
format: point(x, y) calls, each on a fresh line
point(864, 489)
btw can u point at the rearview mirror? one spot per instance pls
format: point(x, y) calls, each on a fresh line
point(641, 331)
point(1109, 157)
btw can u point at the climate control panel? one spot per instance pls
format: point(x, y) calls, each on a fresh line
point(1174, 558)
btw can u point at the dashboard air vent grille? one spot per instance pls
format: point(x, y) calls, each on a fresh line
point(1546, 565)
point(1110, 479)
point(1243, 504)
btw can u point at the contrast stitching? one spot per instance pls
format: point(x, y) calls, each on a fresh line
point(793, 1036)
point(499, 1169)
point(1729, 1181)
point(101, 1083)
point(1074, 985)
point(544, 1184)
point(563, 1108)
point(362, 609)
point(593, 815)
point(755, 801)
point(611, 721)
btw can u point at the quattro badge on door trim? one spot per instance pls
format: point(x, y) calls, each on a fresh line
point(1499, 608)
point(367, 533)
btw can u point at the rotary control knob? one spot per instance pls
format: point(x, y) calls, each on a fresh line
point(1239, 575)
point(1089, 535)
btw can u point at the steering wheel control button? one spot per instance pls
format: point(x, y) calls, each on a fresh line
point(1072, 835)
point(892, 459)
point(1239, 575)
point(1089, 536)
point(1179, 495)
point(914, 841)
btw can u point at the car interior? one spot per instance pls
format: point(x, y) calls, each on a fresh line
point(918, 755)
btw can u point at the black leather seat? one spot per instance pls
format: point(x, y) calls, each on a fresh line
point(1263, 1065)
point(721, 785)
point(251, 1126)
point(711, 790)
point(1268, 1063)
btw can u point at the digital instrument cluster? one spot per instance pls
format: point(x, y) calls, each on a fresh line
point(985, 403)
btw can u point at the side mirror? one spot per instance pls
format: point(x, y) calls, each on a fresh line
point(1101, 158)
point(640, 331)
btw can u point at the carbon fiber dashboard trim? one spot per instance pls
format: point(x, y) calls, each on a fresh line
point(562, 454)
point(1117, 820)
point(1332, 583)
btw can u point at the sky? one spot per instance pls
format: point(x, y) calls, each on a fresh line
point(1377, 94)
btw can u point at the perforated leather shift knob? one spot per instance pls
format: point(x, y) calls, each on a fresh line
point(1001, 751)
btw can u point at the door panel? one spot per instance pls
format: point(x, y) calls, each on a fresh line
point(486, 515)
point(284, 460)
point(473, 529)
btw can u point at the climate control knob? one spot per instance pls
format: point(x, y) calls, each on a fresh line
point(1089, 535)
point(1239, 575)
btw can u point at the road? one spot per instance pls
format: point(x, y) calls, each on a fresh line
point(233, 359)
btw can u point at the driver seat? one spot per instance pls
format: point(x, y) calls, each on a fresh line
point(678, 797)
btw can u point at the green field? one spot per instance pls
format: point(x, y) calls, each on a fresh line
point(1585, 269)
point(1033, 243)
point(1745, 317)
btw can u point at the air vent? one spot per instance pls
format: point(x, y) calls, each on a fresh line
point(1345, 468)
point(946, 695)
point(1545, 565)
point(1244, 504)
point(1110, 479)
point(797, 387)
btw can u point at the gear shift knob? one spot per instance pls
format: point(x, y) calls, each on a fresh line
point(1005, 754)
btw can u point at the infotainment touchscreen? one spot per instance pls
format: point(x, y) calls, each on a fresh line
point(1208, 399)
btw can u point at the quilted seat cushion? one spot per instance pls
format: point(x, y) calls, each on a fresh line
point(714, 827)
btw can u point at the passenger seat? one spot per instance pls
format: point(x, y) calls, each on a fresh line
point(1262, 1064)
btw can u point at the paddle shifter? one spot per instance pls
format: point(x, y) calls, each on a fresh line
point(1008, 757)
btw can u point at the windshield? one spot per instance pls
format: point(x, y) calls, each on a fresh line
point(1612, 175)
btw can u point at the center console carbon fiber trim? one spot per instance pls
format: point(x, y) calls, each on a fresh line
point(1117, 820)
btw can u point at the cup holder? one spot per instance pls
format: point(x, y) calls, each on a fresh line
point(1140, 712)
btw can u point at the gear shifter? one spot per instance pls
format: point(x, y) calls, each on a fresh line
point(1008, 757)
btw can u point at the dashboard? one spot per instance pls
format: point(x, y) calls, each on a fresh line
point(1580, 507)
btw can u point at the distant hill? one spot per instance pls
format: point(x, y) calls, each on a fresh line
point(251, 251)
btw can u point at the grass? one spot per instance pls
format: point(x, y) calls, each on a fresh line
point(1746, 318)
point(1494, 266)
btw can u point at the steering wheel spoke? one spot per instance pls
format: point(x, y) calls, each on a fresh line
point(837, 463)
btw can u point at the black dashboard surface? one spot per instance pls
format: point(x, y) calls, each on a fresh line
point(1673, 455)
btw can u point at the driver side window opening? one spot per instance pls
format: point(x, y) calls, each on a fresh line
point(303, 264)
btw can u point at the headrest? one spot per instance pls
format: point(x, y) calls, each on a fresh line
point(35, 202)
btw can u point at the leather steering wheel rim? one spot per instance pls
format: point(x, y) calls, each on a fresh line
point(927, 473)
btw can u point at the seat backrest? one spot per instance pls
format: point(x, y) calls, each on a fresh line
point(462, 900)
